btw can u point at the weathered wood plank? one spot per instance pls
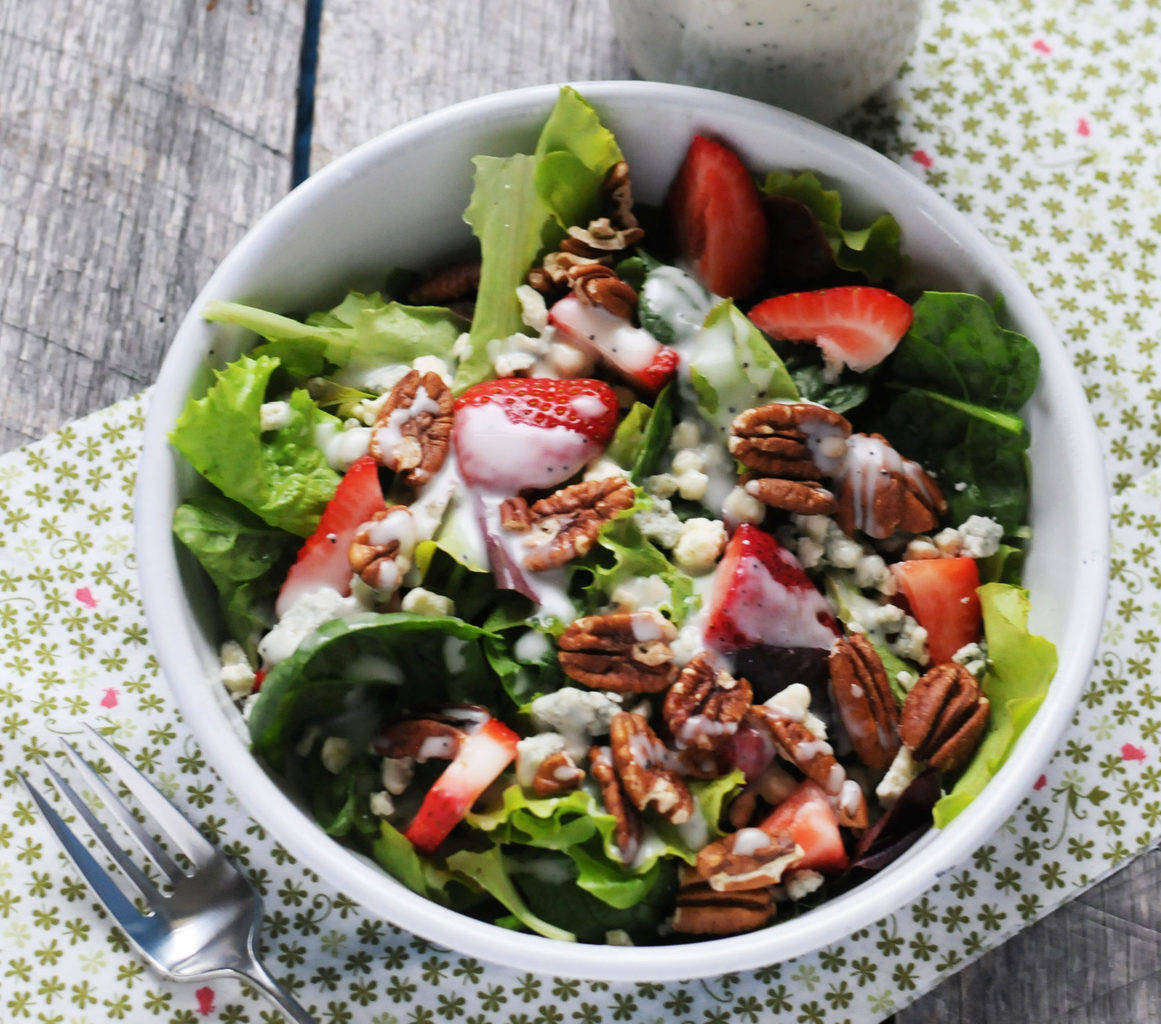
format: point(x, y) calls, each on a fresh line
point(138, 140)
point(382, 62)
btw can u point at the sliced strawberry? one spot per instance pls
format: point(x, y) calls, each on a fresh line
point(762, 595)
point(717, 219)
point(527, 432)
point(808, 818)
point(482, 756)
point(259, 679)
point(943, 599)
point(631, 352)
point(855, 326)
point(323, 560)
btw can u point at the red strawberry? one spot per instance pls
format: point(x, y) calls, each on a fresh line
point(856, 326)
point(526, 432)
point(943, 599)
point(750, 749)
point(322, 560)
point(482, 756)
point(762, 595)
point(808, 818)
point(631, 352)
point(717, 219)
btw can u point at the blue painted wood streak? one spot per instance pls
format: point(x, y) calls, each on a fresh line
point(304, 110)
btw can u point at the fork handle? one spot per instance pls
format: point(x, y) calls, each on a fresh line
point(290, 1007)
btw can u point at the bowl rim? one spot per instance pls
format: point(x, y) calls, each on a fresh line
point(374, 889)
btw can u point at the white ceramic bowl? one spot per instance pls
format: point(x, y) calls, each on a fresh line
point(397, 201)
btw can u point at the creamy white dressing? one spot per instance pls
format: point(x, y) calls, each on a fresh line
point(678, 299)
point(531, 646)
point(341, 447)
point(611, 338)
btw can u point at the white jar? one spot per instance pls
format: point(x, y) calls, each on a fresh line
point(815, 57)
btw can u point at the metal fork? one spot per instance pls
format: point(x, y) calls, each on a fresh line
point(207, 926)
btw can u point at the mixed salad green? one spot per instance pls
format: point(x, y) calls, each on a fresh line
point(659, 580)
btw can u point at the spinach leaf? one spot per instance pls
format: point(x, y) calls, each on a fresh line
point(642, 436)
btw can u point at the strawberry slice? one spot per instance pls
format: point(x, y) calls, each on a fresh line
point(855, 326)
point(943, 599)
point(717, 219)
point(482, 756)
point(808, 818)
point(762, 595)
point(322, 561)
point(526, 432)
point(631, 352)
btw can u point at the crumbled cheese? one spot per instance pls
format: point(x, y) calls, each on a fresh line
point(663, 485)
point(981, 536)
point(973, 657)
point(302, 618)
point(433, 364)
point(368, 409)
point(949, 542)
point(795, 699)
point(602, 468)
point(810, 552)
point(687, 459)
point(342, 447)
point(564, 359)
point(872, 573)
point(382, 806)
point(395, 773)
point(842, 551)
point(686, 469)
point(906, 679)
point(578, 715)
point(659, 523)
point(380, 379)
point(531, 754)
point(462, 346)
point(426, 602)
point(512, 364)
point(699, 545)
point(274, 415)
point(819, 542)
point(686, 434)
point(641, 592)
point(741, 507)
point(911, 642)
point(237, 676)
point(920, 547)
point(618, 937)
point(814, 527)
point(533, 311)
point(335, 754)
point(801, 883)
point(903, 769)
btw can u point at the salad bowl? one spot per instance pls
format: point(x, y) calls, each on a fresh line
point(397, 201)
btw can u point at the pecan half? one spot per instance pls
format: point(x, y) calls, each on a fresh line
point(455, 281)
point(747, 859)
point(944, 717)
point(882, 493)
point(798, 745)
point(619, 190)
point(412, 432)
point(565, 525)
point(381, 550)
point(704, 708)
point(598, 285)
point(865, 703)
point(789, 440)
point(558, 773)
point(642, 764)
point(422, 739)
point(702, 910)
point(802, 497)
point(627, 652)
point(628, 831)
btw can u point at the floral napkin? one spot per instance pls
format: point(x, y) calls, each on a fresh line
point(1041, 121)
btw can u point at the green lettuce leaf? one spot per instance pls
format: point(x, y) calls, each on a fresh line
point(405, 864)
point(872, 251)
point(337, 399)
point(280, 475)
point(732, 367)
point(642, 436)
point(417, 656)
point(244, 557)
point(1020, 667)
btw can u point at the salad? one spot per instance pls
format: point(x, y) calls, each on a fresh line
point(650, 574)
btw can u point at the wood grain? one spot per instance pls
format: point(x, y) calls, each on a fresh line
point(138, 140)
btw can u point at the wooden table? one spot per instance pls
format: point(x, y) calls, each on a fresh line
point(140, 138)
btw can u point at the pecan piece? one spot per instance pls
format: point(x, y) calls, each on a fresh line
point(600, 238)
point(802, 497)
point(421, 739)
point(515, 516)
point(455, 281)
point(747, 859)
point(558, 773)
point(642, 764)
point(702, 910)
point(597, 285)
point(944, 717)
point(627, 652)
point(413, 430)
point(704, 708)
point(790, 440)
point(628, 830)
point(565, 525)
point(381, 550)
point(798, 745)
point(882, 493)
point(866, 705)
point(619, 190)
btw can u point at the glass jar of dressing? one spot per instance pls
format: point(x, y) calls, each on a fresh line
point(815, 57)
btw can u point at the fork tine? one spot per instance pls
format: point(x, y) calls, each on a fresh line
point(106, 890)
point(131, 825)
point(131, 871)
point(167, 817)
